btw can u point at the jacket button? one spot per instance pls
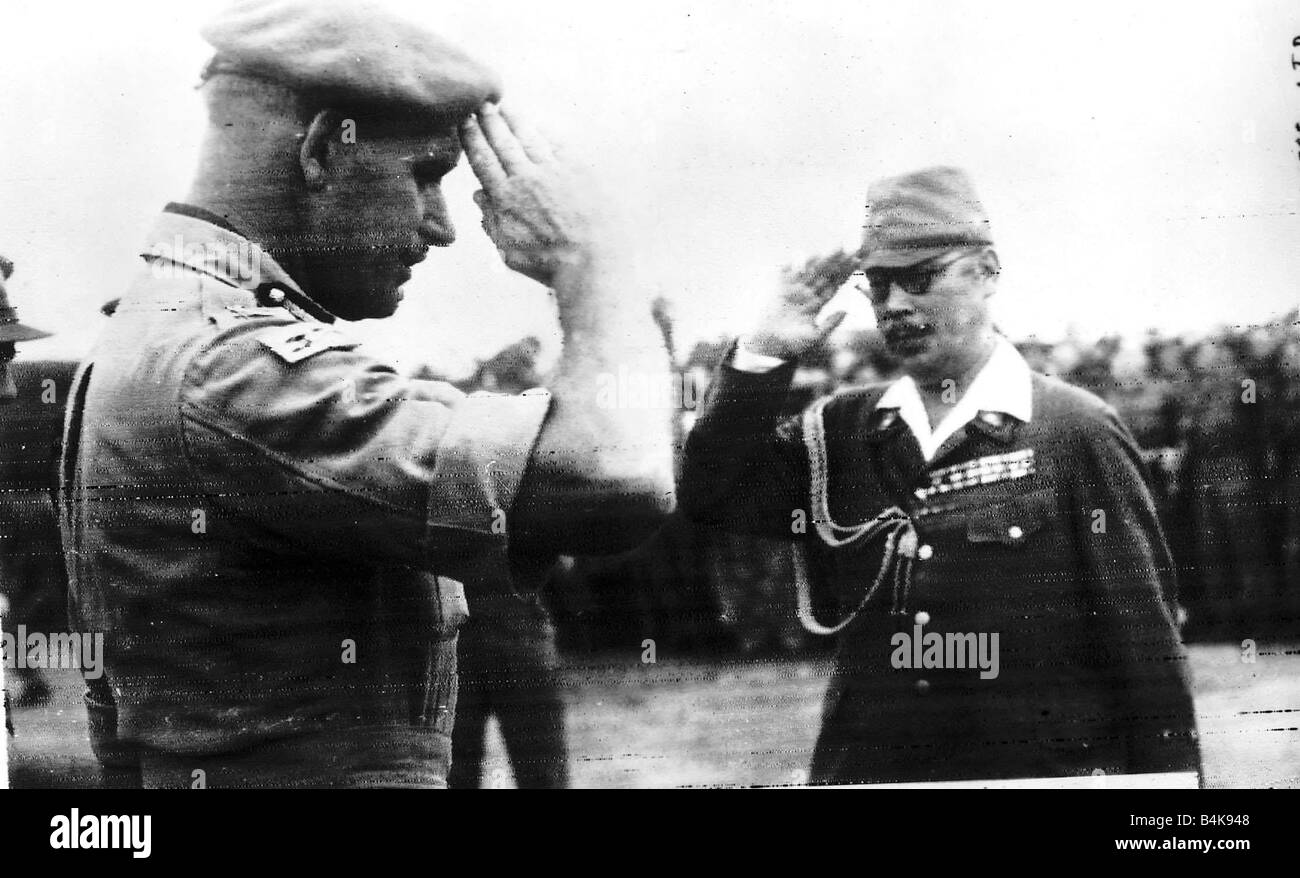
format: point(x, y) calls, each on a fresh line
point(1015, 532)
point(923, 618)
point(922, 687)
point(925, 552)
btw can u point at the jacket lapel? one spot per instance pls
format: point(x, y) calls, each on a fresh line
point(894, 451)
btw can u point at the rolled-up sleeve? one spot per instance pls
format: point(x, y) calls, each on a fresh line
point(482, 457)
point(340, 454)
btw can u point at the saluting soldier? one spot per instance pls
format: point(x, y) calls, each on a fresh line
point(1001, 510)
point(263, 517)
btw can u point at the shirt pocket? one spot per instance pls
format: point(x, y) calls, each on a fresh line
point(1012, 522)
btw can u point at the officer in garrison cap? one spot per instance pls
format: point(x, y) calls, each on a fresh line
point(264, 518)
point(988, 551)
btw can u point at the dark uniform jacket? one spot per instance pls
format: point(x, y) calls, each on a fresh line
point(1042, 532)
point(261, 517)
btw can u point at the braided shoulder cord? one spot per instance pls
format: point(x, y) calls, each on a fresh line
point(900, 540)
point(814, 440)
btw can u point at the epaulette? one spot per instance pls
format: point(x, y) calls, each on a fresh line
point(296, 342)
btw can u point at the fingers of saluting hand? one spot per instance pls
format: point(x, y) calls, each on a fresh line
point(482, 158)
point(500, 144)
point(504, 142)
point(535, 146)
point(826, 274)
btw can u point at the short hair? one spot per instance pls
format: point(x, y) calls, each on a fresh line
point(231, 97)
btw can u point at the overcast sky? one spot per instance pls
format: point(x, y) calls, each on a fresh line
point(1137, 159)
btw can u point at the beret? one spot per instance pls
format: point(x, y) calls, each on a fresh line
point(921, 215)
point(352, 52)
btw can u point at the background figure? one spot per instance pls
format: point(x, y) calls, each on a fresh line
point(507, 659)
point(508, 668)
point(32, 580)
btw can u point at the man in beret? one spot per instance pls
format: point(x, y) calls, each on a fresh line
point(989, 552)
point(270, 524)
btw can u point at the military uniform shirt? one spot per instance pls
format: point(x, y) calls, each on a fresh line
point(261, 516)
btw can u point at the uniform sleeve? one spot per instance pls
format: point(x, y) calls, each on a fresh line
point(745, 469)
point(1129, 577)
point(339, 454)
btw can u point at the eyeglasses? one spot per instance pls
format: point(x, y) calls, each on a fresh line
point(915, 279)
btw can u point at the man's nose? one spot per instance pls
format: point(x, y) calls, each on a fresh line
point(8, 390)
point(898, 299)
point(435, 224)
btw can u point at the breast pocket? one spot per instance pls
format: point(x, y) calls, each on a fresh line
point(1012, 522)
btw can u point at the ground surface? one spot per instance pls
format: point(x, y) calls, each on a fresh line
point(695, 723)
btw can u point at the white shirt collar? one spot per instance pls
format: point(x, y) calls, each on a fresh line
point(1003, 385)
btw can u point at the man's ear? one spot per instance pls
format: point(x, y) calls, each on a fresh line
point(991, 267)
point(313, 155)
point(989, 263)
